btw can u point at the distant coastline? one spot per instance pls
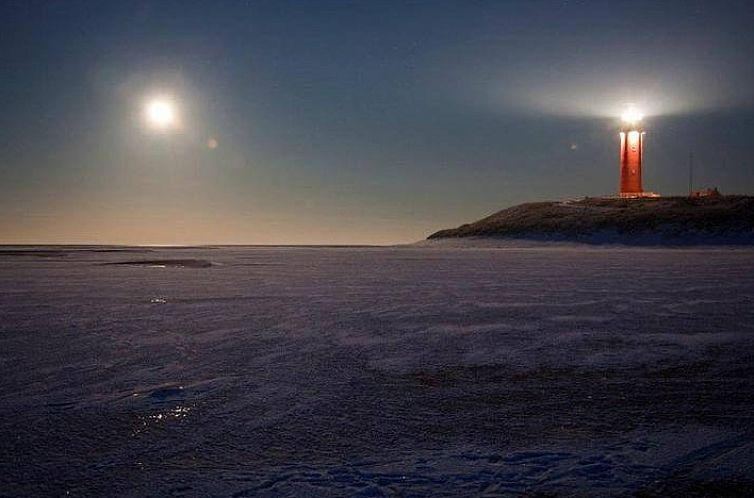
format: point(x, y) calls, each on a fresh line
point(723, 220)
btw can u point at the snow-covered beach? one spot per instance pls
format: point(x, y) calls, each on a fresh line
point(369, 371)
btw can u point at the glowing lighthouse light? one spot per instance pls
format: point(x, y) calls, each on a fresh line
point(631, 115)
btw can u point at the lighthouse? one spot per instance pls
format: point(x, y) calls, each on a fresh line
point(631, 154)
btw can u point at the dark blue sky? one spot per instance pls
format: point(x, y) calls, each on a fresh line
point(354, 122)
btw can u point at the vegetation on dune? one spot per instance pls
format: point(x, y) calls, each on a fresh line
point(667, 216)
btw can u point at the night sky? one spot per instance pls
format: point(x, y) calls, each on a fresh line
point(354, 122)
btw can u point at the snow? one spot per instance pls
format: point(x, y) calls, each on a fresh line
point(428, 370)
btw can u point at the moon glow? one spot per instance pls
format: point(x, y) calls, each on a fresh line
point(160, 113)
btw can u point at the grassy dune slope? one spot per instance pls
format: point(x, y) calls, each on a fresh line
point(667, 217)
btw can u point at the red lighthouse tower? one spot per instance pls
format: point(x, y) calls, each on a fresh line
point(631, 154)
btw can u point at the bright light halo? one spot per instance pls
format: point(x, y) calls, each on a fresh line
point(631, 115)
point(161, 113)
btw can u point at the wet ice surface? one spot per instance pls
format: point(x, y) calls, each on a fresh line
point(375, 371)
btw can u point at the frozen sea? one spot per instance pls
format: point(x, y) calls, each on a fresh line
point(407, 371)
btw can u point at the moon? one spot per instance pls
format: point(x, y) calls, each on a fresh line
point(161, 113)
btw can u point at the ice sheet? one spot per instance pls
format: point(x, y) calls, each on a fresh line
point(406, 371)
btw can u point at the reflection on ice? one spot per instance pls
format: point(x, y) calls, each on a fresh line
point(177, 412)
point(163, 417)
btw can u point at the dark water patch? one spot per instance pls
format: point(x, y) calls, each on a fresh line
point(166, 263)
point(118, 250)
point(34, 253)
point(61, 405)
